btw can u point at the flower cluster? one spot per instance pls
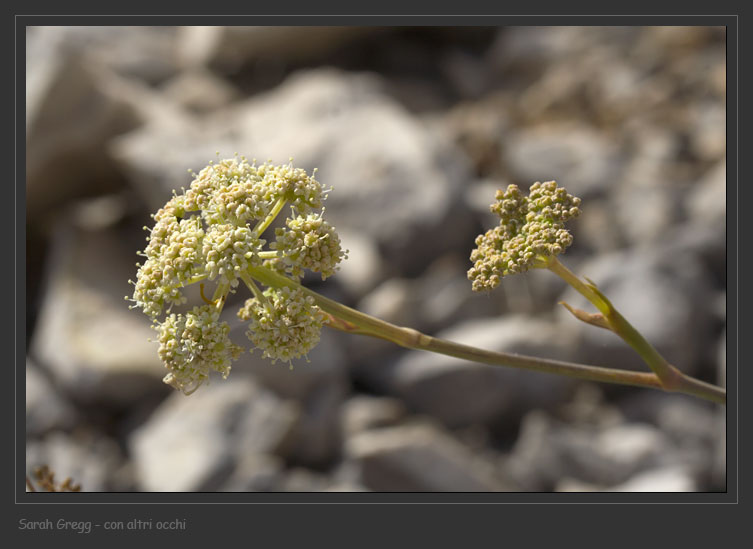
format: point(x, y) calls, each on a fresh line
point(212, 231)
point(192, 344)
point(307, 242)
point(229, 250)
point(531, 230)
point(284, 324)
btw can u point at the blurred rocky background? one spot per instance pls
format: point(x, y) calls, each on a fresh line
point(415, 128)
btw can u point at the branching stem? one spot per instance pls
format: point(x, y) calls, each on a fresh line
point(356, 322)
point(671, 378)
point(253, 287)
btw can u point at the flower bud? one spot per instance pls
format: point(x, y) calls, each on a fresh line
point(531, 229)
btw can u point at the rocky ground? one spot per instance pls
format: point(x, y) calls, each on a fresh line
point(415, 128)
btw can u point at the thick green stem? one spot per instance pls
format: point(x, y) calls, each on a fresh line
point(356, 322)
point(671, 378)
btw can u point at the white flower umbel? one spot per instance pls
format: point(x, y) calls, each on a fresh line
point(191, 345)
point(308, 242)
point(285, 324)
point(230, 250)
point(212, 231)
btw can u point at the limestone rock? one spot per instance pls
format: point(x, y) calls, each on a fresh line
point(195, 443)
point(96, 349)
point(419, 457)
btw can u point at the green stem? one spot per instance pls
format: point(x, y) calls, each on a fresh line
point(269, 254)
point(220, 293)
point(356, 322)
point(671, 378)
point(253, 287)
point(262, 226)
point(194, 279)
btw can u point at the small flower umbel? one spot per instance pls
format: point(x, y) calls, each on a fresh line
point(194, 343)
point(212, 231)
point(285, 324)
point(308, 242)
point(531, 232)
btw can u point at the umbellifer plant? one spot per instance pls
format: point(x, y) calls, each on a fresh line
point(213, 230)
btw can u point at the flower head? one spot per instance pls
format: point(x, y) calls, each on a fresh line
point(212, 231)
point(229, 250)
point(285, 324)
point(531, 230)
point(191, 345)
point(308, 242)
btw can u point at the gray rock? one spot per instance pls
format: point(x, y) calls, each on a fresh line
point(230, 47)
point(140, 52)
point(684, 419)
point(589, 406)
point(467, 73)
point(578, 157)
point(74, 107)
point(547, 452)
point(46, 410)
point(707, 244)
point(478, 127)
point(95, 348)
point(655, 148)
point(255, 473)
point(643, 212)
point(199, 91)
point(667, 479)
point(459, 392)
point(317, 438)
point(92, 461)
point(393, 301)
point(665, 297)
point(708, 135)
point(195, 443)
point(100, 213)
point(596, 230)
point(363, 268)
point(575, 486)
point(305, 480)
point(533, 462)
point(695, 427)
point(419, 457)
point(707, 203)
point(530, 47)
point(156, 156)
point(361, 413)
